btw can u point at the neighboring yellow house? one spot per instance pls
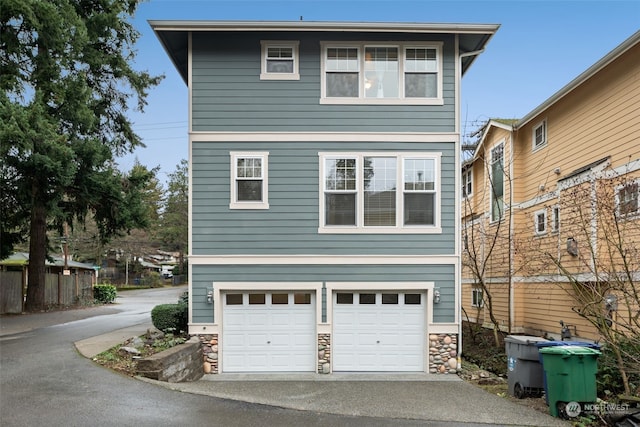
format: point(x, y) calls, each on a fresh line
point(551, 211)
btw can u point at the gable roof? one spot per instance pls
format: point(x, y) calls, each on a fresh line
point(568, 88)
point(174, 34)
point(586, 75)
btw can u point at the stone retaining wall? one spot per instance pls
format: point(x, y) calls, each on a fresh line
point(443, 353)
point(177, 364)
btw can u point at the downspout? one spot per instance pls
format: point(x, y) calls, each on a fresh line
point(511, 242)
point(457, 194)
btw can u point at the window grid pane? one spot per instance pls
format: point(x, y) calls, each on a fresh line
point(419, 175)
point(381, 72)
point(380, 191)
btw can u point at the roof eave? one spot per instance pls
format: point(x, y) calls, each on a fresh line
point(586, 75)
point(203, 25)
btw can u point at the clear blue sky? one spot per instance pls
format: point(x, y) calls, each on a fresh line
point(541, 46)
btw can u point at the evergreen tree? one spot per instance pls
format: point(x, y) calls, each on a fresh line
point(67, 85)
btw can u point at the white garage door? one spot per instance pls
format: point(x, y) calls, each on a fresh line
point(378, 331)
point(268, 332)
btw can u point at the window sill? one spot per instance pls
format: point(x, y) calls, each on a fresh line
point(248, 205)
point(379, 230)
point(282, 76)
point(381, 101)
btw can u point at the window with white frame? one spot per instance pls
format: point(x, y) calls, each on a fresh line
point(477, 299)
point(539, 137)
point(380, 73)
point(249, 181)
point(280, 60)
point(540, 221)
point(467, 182)
point(555, 219)
point(497, 182)
point(628, 198)
point(379, 192)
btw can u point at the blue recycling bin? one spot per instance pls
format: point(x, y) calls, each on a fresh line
point(545, 344)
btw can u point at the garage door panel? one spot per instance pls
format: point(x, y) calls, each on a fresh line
point(268, 337)
point(378, 337)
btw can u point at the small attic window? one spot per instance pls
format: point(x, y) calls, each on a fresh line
point(539, 136)
point(279, 60)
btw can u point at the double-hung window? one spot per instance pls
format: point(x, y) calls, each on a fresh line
point(477, 299)
point(497, 182)
point(628, 199)
point(280, 60)
point(249, 181)
point(373, 73)
point(467, 182)
point(539, 136)
point(540, 222)
point(379, 192)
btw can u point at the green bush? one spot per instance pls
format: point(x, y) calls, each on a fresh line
point(170, 317)
point(153, 280)
point(104, 294)
point(609, 378)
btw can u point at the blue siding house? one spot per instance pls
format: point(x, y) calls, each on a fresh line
point(324, 192)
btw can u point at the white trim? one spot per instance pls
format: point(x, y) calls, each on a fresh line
point(294, 45)
point(399, 228)
point(536, 215)
point(323, 26)
point(439, 137)
point(445, 328)
point(361, 99)
point(234, 203)
point(319, 259)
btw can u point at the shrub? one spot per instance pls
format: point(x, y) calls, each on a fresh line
point(170, 317)
point(104, 294)
point(153, 280)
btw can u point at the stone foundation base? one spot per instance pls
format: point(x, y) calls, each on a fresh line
point(443, 353)
point(209, 344)
point(324, 353)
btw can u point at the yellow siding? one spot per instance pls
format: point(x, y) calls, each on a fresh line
point(599, 119)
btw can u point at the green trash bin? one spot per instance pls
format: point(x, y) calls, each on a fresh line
point(570, 372)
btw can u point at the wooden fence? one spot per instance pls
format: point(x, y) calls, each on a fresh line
point(60, 290)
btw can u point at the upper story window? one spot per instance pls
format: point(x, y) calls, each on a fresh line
point(362, 73)
point(249, 183)
point(379, 193)
point(280, 60)
point(467, 182)
point(539, 137)
point(497, 182)
point(628, 199)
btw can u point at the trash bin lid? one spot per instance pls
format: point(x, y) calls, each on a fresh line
point(524, 339)
point(570, 350)
point(543, 344)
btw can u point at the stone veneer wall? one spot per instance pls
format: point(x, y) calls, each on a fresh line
point(209, 344)
point(324, 353)
point(443, 353)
